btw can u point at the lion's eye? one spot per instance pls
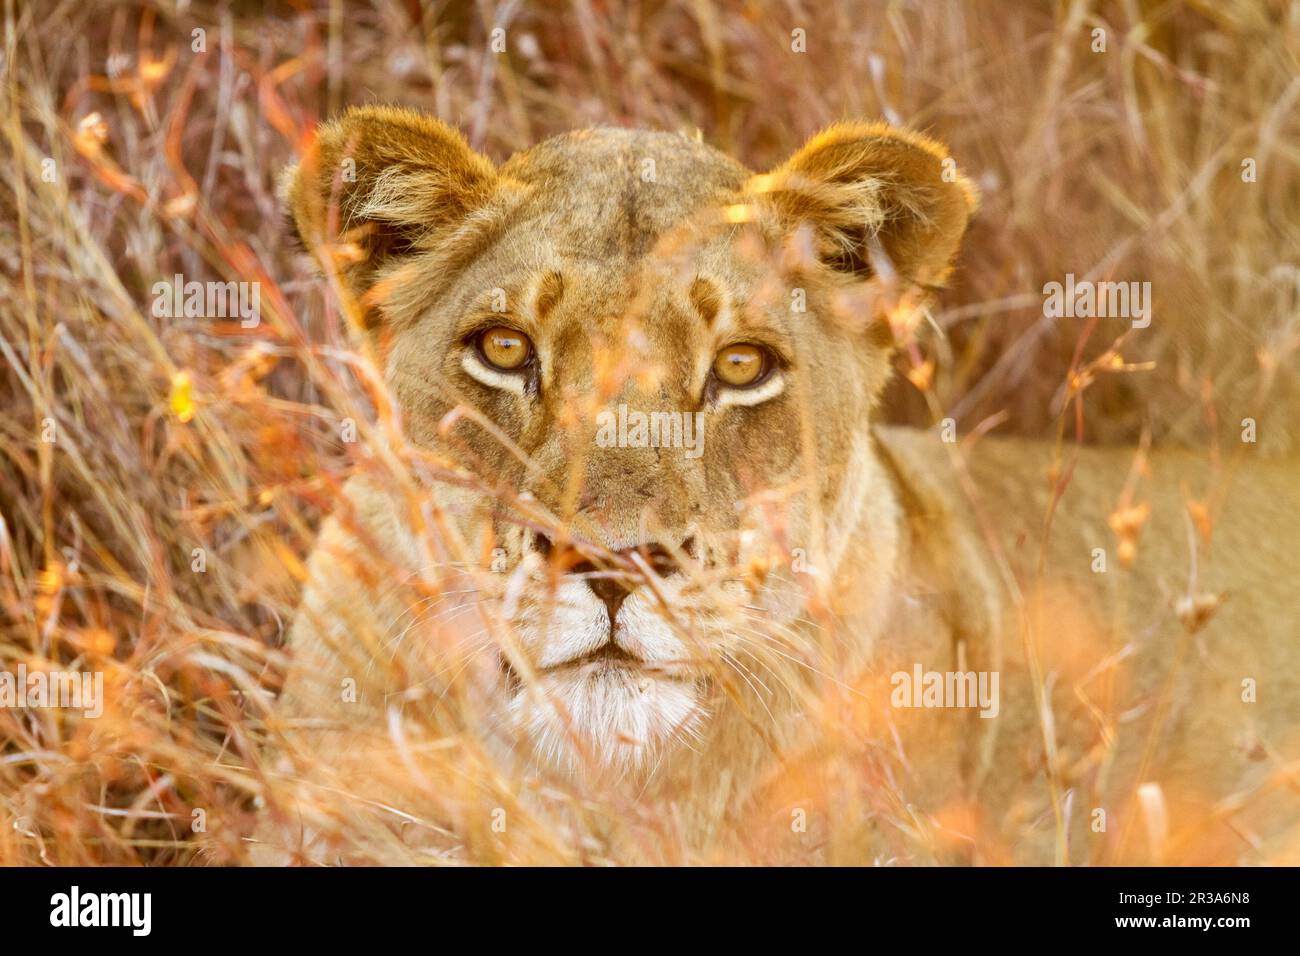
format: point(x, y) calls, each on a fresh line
point(504, 349)
point(742, 365)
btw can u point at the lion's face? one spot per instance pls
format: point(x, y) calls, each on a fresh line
point(662, 366)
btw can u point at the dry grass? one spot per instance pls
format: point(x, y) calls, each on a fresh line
point(175, 434)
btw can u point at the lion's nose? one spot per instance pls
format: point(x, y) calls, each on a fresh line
point(609, 586)
point(613, 585)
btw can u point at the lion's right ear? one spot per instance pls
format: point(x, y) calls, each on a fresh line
point(876, 196)
point(381, 184)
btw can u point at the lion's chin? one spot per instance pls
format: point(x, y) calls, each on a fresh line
point(605, 715)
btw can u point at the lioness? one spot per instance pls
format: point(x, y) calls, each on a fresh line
point(653, 577)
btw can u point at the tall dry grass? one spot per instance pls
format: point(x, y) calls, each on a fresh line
point(130, 441)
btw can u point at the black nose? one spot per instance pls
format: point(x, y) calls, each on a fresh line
point(609, 586)
point(613, 585)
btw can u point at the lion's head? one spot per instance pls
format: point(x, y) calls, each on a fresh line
point(663, 364)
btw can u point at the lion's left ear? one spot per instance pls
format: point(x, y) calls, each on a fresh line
point(879, 199)
point(380, 185)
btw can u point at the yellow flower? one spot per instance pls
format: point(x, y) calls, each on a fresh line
point(182, 397)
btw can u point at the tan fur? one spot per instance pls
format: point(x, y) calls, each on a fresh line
point(629, 258)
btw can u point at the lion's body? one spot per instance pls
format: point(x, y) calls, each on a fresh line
point(1181, 672)
point(452, 641)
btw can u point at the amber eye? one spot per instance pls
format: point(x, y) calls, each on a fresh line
point(505, 349)
point(741, 365)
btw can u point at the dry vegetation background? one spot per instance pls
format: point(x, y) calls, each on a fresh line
point(177, 434)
